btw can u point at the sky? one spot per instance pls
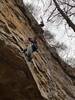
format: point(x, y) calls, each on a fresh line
point(61, 35)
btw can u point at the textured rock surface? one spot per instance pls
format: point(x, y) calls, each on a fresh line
point(47, 78)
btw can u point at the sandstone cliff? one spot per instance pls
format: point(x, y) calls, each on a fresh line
point(47, 78)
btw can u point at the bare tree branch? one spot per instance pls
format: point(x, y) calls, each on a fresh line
point(73, 6)
point(48, 6)
point(49, 19)
point(69, 22)
point(52, 13)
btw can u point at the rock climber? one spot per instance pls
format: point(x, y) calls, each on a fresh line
point(32, 47)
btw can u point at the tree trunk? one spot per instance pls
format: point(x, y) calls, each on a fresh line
point(69, 22)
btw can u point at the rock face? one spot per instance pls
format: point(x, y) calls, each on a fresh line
point(47, 77)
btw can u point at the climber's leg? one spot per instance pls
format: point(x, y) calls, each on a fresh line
point(28, 52)
point(29, 57)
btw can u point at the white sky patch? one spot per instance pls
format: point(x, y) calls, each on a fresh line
point(27, 1)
